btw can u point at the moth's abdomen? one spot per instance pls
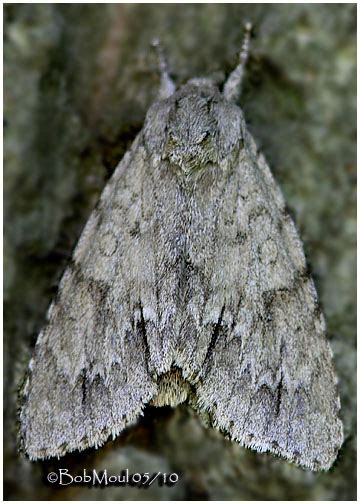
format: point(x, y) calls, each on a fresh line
point(172, 389)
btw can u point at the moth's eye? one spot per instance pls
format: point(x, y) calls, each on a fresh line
point(202, 137)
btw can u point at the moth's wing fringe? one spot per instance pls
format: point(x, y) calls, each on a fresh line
point(261, 446)
point(95, 442)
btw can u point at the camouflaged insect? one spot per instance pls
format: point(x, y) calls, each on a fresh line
point(188, 284)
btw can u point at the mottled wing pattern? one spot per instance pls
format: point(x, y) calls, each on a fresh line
point(189, 281)
point(89, 374)
point(267, 377)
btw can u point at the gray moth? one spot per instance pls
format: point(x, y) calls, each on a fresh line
point(188, 284)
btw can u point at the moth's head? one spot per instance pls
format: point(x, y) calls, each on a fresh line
point(194, 127)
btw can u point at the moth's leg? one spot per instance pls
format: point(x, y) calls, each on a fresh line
point(167, 85)
point(232, 88)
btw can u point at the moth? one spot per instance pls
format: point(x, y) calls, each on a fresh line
point(188, 284)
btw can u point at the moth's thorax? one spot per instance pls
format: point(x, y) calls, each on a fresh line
point(194, 127)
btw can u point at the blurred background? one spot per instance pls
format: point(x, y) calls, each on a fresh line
point(78, 81)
